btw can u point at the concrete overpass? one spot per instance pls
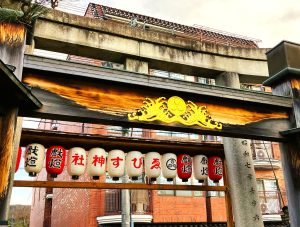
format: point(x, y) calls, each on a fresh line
point(115, 41)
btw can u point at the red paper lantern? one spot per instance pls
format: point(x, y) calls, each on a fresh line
point(184, 167)
point(215, 168)
point(18, 159)
point(55, 160)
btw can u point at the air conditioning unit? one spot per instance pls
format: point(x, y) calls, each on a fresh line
point(264, 208)
point(260, 154)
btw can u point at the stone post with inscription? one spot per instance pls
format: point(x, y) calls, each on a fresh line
point(241, 174)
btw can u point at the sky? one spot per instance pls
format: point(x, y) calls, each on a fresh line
point(268, 20)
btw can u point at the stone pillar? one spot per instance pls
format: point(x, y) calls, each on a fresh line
point(139, 67)
point(241, 174)
point(284, 70)
point(136, 66)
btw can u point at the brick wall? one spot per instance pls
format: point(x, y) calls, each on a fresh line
point(38, 203)
point(186, 209)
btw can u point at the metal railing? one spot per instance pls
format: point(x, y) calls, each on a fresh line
point(116, 131)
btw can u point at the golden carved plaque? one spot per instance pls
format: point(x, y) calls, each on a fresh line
point(175, 109)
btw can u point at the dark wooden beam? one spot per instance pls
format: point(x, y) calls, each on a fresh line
point(97, 185)
point(14, 93)
point(76, 92)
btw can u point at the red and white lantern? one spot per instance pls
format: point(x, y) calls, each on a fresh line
point(76, 162)
point(34, 158)
point(152, 165)
point(134, 164)
point(215, 168)
point(18, 159)
point(200, 167)
point(55, 160)
point(184, 167)
point(169, 166)
point(116, 164)
point(96, 163)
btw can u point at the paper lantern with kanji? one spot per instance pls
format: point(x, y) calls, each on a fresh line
point(184, 167)
point(134, 164)
point(169, 166)
point(215, 169)
point(152, 165)
point(55, 160)
point(116, 164)
point(18, 159)
point(34, 158)
point(96, 163)
point(76, 162)
point(200, 167)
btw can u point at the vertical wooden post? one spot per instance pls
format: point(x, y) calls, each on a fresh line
point(229, 213)
point(6, 157)
point(284, 70)
point(12, 48)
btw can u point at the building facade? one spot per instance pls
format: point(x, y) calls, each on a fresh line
point(89, 207)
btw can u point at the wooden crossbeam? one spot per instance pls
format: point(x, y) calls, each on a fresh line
point(98, 185)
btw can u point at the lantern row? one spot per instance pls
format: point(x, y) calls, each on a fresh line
point(96, 163)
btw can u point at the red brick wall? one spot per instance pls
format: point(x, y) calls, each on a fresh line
point(38, 203)
point(186, 209)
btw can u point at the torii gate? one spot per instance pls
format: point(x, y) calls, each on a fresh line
point(191, 107)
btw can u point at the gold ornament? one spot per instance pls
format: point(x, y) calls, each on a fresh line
point(175, 109)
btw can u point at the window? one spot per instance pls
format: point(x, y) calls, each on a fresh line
point(210, 138)
point(266, 185)
point(269, 196)
point(203, 80)
point(176, 76)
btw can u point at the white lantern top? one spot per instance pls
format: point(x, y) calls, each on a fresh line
point(134, 164)
point(200, 163)
point(96, 163)
point(34, 158)
point(169, 166)
point(152, 165)
point(76, 162)
point(116, 164)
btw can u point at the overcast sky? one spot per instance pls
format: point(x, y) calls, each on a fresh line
point(268, 20)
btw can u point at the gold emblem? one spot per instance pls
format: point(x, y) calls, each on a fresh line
point(175, 109)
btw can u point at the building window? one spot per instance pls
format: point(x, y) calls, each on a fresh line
point(269, 197)
point(210, 138)
point(203, 80)
point(171, 75)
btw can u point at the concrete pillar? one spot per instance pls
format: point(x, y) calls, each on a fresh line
point(125, 200)
point(139, 67)
point(136, 66)
point(228, 79)
point(241, 174)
